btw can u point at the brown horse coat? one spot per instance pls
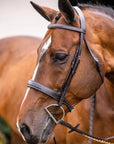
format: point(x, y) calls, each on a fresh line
point(17, 61)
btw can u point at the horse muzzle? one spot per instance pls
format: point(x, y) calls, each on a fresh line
point(36, 131)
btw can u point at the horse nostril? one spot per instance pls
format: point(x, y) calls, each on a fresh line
point(25, 130)
point(30, 139)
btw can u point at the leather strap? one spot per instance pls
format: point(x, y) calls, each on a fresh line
point(91, 117)
point(48, 91)
point(66, 27)
point(98, 139)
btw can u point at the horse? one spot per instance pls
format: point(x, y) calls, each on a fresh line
point(52, 92)
point(17, 61)
point(55, 56)
point(56, 53)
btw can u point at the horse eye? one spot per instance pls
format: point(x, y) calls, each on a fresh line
point(59, 57)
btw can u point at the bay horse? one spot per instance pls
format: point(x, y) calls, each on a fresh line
point(53, 85)
point(52, 67)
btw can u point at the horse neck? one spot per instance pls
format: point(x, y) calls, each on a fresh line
point(100, 34)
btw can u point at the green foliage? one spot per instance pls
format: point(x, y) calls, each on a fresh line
point(4, 127)
point(3, 139)
point(5, 132)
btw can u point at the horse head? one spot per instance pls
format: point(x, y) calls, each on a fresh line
point(55, 58)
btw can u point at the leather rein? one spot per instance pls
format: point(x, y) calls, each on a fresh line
point(60, 95)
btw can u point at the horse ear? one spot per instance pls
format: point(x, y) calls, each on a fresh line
point(67, 10)
point(47, 13)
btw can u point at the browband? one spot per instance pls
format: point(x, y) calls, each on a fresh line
point(62, 26)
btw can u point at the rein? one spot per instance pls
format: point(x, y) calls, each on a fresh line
point(91, 116)
point(60, 95)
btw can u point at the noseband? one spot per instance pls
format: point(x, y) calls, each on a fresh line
point(60, 95)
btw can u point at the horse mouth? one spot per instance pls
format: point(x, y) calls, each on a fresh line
point(55, 115)
point(47, 133)
point(43, 135)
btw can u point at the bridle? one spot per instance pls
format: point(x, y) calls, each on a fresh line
point(60, 95)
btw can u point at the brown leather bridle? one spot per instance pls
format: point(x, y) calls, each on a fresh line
point(60, 95)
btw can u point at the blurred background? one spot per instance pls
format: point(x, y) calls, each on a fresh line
point(17, 17)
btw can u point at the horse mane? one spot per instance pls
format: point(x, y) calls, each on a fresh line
point(102, 8)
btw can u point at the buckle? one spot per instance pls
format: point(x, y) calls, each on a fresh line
point(51, 115)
